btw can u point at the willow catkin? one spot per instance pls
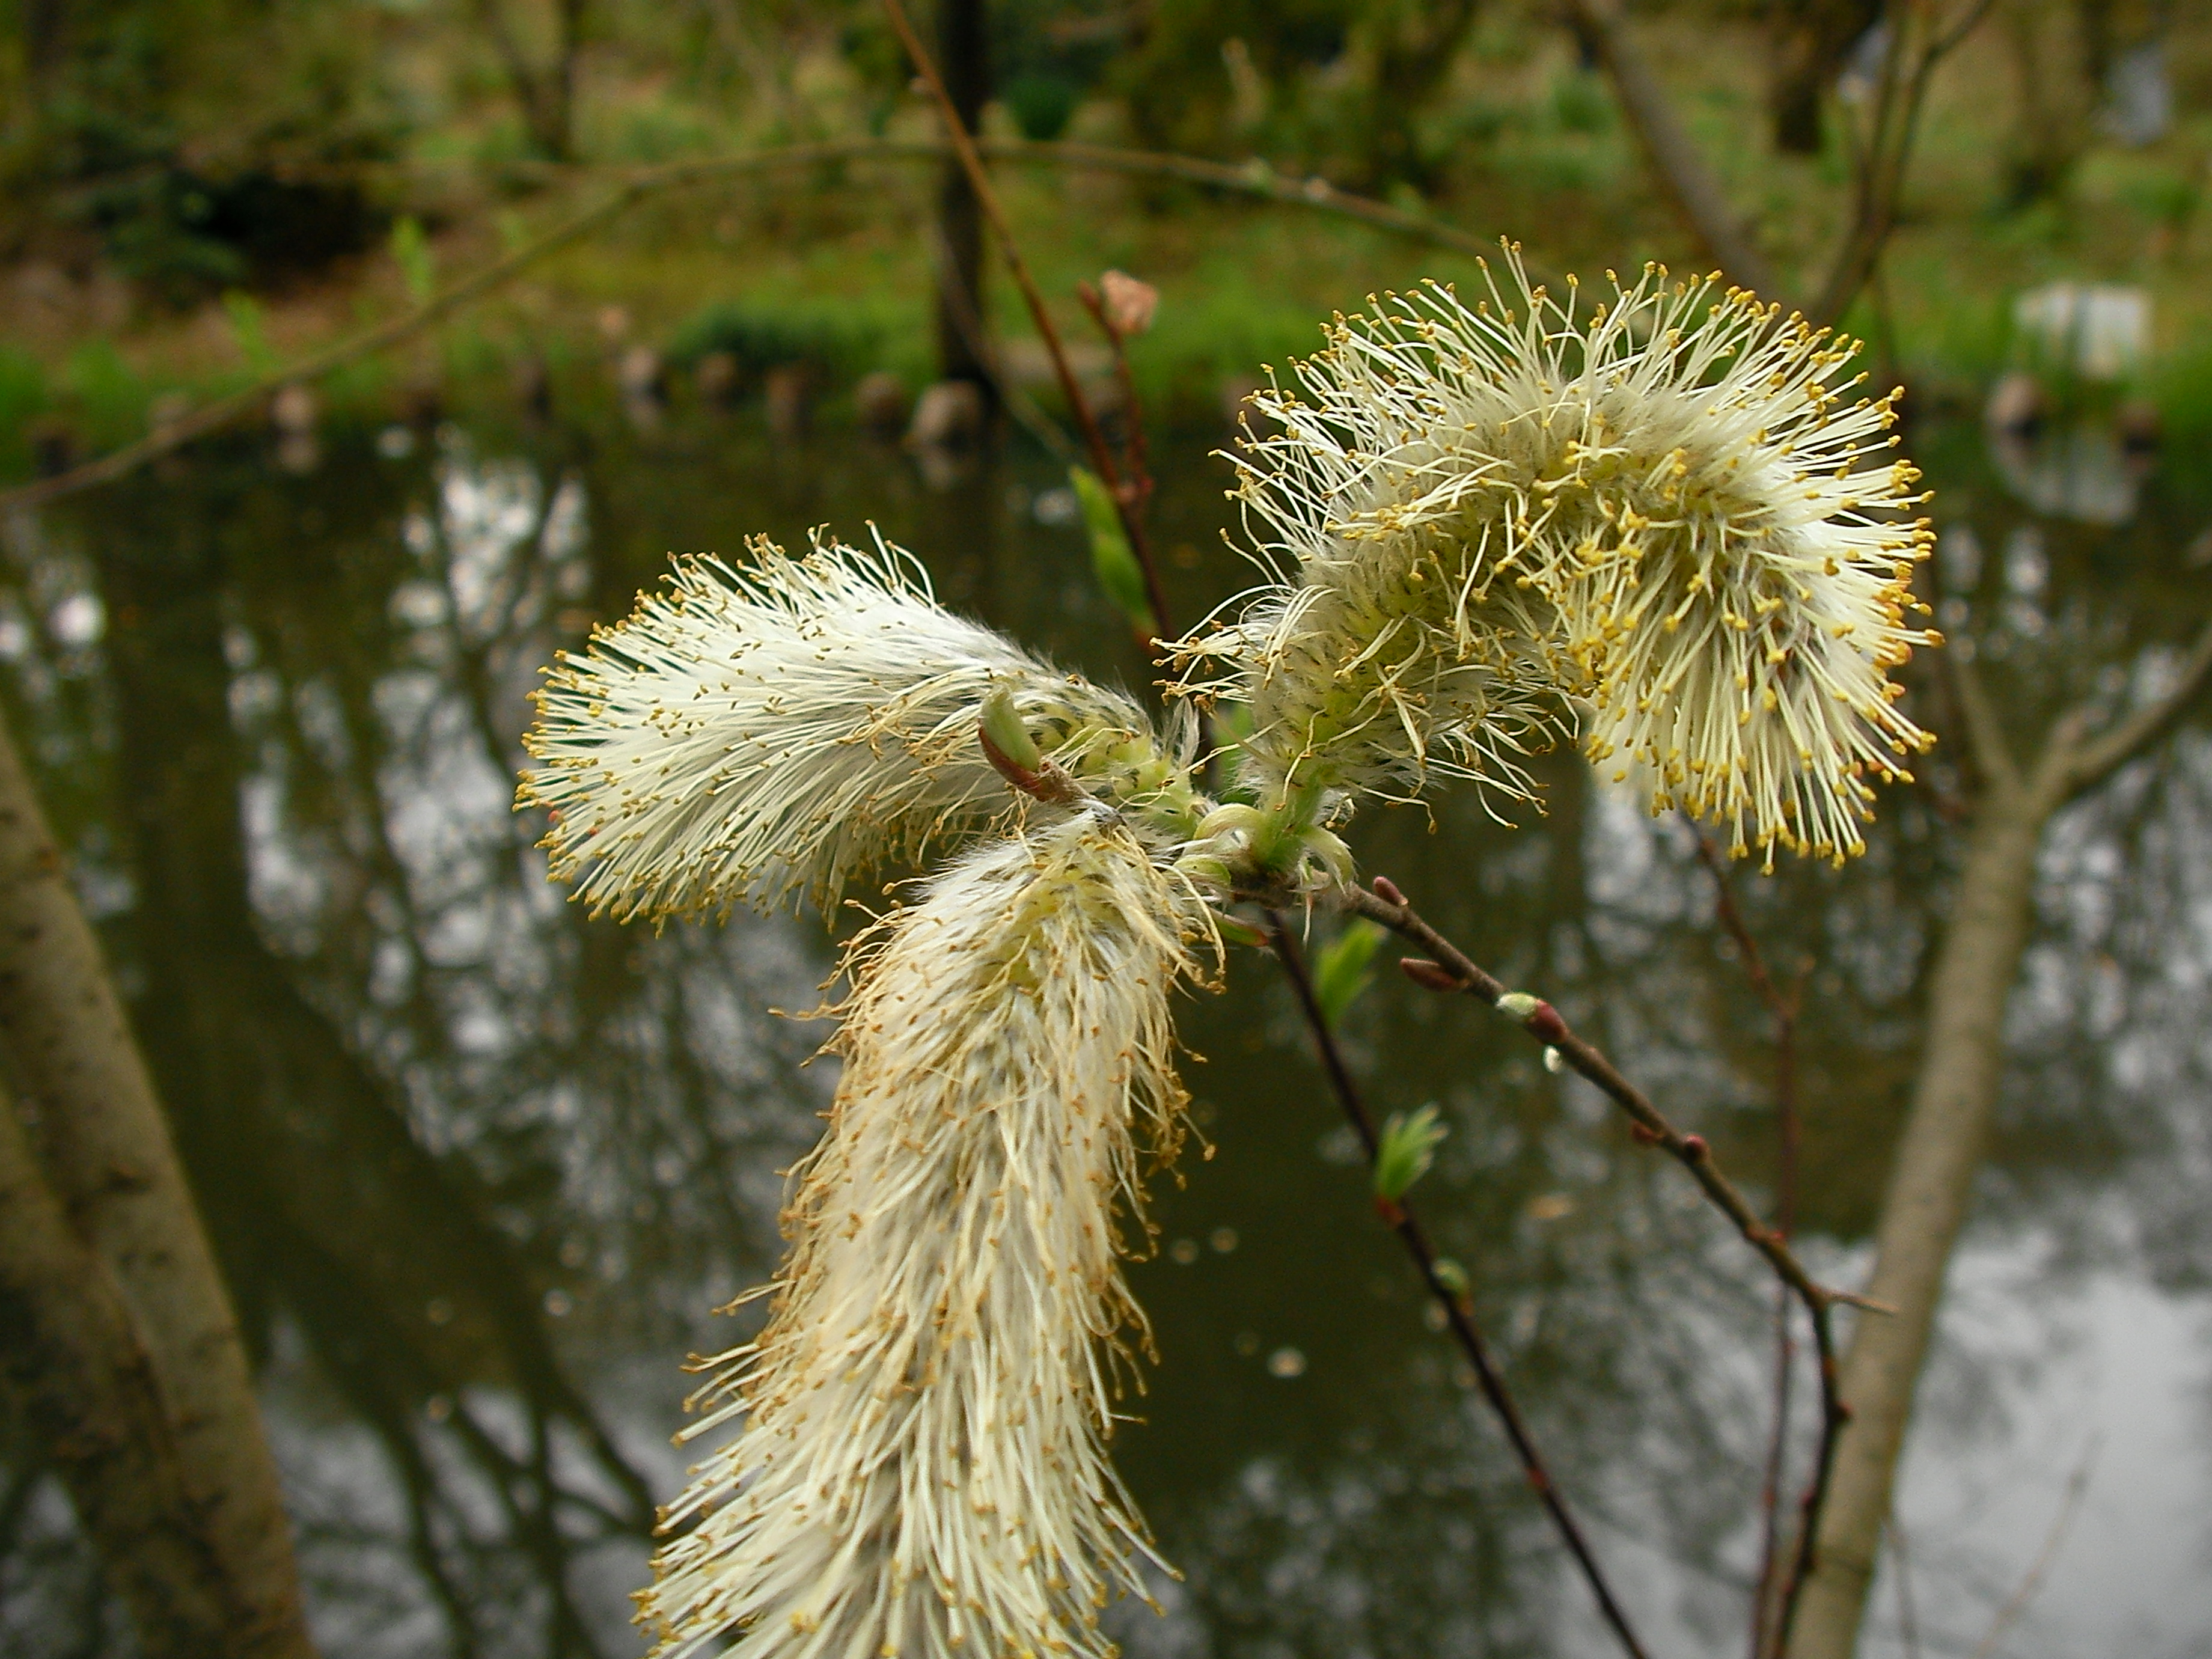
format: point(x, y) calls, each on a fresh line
point(1658, 518)
point(922, 1469)
point(753, 733)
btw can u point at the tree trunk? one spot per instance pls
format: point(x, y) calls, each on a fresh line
point(1810, 42)
point(546, 97)
point(1954, 1097)
point(964, 61)
point(1676, 165)
point(109, 1158)
point(72, 1359)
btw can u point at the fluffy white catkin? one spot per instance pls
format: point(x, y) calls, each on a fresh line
point(751, 733)
point(922, 1469)
point(1660, 509)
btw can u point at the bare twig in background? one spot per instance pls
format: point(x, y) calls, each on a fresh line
point(1880, 161)
point(1458, 1308)
point(1880, 158)
point(1675, 162)
point(2077, 1486)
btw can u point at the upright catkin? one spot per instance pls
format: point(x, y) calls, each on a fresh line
point(1659, 519)
point(922, 1469)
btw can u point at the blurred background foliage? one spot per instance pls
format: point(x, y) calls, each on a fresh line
point(159, 158)
point(273, 700)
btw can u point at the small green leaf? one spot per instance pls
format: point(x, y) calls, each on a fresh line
point(1340, 972)
point(1408, 1148)
point(410, 249)
point(1451, 1275)
point(1116, 566)
point(246, 328)
point(1002, 725)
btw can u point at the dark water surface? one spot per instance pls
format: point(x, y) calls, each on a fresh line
point(480, 1168)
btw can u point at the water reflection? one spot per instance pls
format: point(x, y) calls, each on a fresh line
point(478, 1167)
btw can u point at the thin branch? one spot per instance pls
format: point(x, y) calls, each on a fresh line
point(1919, 46)
point(1880, 167)
point(1950, 39)
point(1251, 180)
point(1458, 1309)
point(1986, 748)
point(2084, 764)
point(979, 180)
point(1453, 970)
point(2077, 1485)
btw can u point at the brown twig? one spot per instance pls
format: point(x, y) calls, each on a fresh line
point(1136, 459)
point(1676, 161)
point(1453, 970)
point(1094, 441)
point(1450, 968)
point(1458, 1309)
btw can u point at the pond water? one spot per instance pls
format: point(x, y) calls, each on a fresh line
point(480, 1168)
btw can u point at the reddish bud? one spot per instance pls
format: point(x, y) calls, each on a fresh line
point(1545, 1022)
point(1694, 1147)
point(1386, 889)
point(1429, 976)
point(1129, 303)
point(1643, 1133)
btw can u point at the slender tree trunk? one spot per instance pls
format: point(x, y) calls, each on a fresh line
point(1810, 40)
point(72, 1358)
point(1954, 1096)
point(1676, 165)
point(964, 60)
point(547, 97)
point(109, 1158)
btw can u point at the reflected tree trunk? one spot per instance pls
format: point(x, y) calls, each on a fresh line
point(72, 1360)
point(114, 1174)
point(325, 1204)
point(1953, 1100)
point(964, 59)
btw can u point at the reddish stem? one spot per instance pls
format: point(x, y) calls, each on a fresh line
point(1458, 1310)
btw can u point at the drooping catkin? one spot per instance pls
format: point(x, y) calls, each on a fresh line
point(921, 1469)
point(749, 734)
